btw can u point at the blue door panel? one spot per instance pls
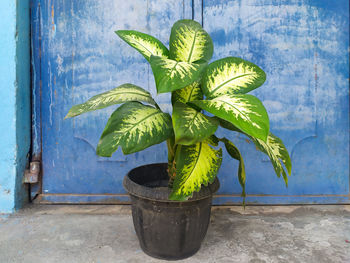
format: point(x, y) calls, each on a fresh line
point(82, 56)
point(303, 48)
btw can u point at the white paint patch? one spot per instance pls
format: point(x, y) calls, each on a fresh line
point(59, 62)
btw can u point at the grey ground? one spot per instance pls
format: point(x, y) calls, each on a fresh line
point(105, 234)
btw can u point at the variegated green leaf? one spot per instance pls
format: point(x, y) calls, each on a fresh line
point(277, 153)
point(172, 75)
point(233, 151)
point(147, 45)
point(134, 127)
point(191, 126)
point(121, 94)
point(244, 111)
point(189, 93)
point(231, 76)
point(189, 42)
point(196, 165)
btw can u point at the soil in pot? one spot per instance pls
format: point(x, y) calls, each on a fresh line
point(166, 229)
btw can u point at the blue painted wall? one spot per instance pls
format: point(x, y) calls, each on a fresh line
point(15, 110)
point(302, 45)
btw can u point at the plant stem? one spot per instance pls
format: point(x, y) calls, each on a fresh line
point(171, 160)
point(171, 154)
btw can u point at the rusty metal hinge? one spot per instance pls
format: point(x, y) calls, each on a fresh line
point(31, 175)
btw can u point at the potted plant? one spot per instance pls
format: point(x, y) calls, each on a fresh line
point(171, 202)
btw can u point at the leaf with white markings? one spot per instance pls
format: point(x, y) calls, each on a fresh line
point(191, 126)
point(171, 75)
point(121, 94)
point(231, 76)
point(189, 93)
point(147, 45)
point(246, 112)
point(189, 42)
point(134, 127)
point(233, 151)
point(220, 89)
point(196, 165)
point(277, 153)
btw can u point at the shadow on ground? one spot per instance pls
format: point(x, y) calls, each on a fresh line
point(106, 234)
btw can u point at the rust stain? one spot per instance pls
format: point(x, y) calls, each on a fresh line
point(280, 195)
point(52, 14)
point(71, 194)
point(53, 18)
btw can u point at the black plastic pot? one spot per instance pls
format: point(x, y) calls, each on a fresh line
point(166, 229)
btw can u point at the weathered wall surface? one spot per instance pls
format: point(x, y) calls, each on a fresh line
point(14, 94)
point(302, 45)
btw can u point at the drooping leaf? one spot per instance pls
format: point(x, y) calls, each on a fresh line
point(191, 126)
point(233, 151)
point(244, 111)
point(147, 45)
point(172, 75)
point(196, 165)
point(121, 94)
point(186, 94)
point(134, 127)
point(231, 76)
point(228, 125)
point(277, 153)
point(189, 42)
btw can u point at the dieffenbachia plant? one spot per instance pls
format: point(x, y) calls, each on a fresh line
point(219, 88)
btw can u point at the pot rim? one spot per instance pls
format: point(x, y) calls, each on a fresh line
point(162, 194)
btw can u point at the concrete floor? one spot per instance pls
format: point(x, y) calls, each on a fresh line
point(106, 234)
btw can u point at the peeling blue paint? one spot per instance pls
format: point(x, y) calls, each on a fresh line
point(303, 48)
point(71, 76)
point(301, 44)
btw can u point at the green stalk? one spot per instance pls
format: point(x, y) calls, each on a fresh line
point(171, 160)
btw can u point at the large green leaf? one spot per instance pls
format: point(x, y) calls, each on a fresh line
point(277, 153)
point(233, 151)
point(121, 94)
point(134, 127)
point(189, 42)
point(172, 75)
point(231, 76)
point(196, 165)
point(189, 93)
point(191, 126)
point(145, 44)
point(244, 111)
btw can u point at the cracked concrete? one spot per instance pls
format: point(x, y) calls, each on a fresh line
point(106, 234)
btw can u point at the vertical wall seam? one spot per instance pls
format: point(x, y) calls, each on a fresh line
point(202, 11)
point(193, 9)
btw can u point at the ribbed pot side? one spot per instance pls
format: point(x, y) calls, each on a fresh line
point(166, 229)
